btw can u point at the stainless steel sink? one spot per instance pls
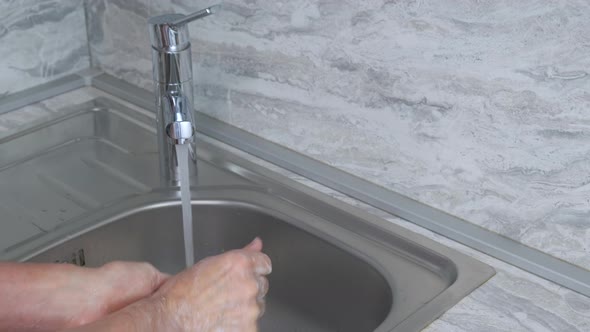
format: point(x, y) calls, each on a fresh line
point(89, 180)
point(311, 276)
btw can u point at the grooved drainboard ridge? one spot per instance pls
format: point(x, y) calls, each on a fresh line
point(64, 178)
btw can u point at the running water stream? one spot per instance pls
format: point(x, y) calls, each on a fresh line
point(185, 194)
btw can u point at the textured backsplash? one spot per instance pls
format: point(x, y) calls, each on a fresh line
point(481, 109)
point(40, 40)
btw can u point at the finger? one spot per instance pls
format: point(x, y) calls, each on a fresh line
point(262, 287)
point(262, 306)
point(154, 276)
point(255, 245)
point(163, 278)
point(129, 282)
point(262, 263)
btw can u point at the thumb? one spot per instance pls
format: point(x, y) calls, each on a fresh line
point(255, 245)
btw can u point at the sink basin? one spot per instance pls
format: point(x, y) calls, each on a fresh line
point(311, 276)
point(335, 268)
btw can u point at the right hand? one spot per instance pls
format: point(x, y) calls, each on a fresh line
point(220, 293)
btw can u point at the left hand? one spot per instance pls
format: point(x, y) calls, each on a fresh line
point(123, 283)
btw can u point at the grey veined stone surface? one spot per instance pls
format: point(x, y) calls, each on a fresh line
point(40, 40)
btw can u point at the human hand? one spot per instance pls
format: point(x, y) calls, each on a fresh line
point(220, 293)
point(87, 294)
point(122, 283)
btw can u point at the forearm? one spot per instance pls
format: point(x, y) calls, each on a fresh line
point(28, 295)
point(49, 297)
point(141, 316)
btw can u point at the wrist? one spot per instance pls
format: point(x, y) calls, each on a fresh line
point(127, 283)
point(146, 315)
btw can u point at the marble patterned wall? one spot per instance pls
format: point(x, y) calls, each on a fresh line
point(40, 40)
point(478, 108)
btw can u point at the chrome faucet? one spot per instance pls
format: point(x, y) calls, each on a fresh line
point(173, 80)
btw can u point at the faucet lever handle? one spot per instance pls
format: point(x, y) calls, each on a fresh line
point(169, 32)
point(195, 16)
